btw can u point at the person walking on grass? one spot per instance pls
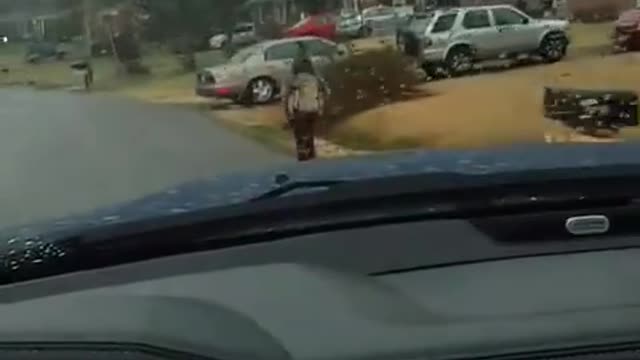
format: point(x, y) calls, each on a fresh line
point(304, 101)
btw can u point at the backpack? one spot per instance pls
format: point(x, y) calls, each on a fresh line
point(306, 95)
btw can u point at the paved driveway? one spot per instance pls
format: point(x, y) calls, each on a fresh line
point(63, 153)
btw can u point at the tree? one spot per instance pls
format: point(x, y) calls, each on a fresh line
point(188, 24)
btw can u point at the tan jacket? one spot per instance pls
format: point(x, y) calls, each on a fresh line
point(306, 93)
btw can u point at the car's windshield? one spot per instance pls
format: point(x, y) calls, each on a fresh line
point(105, 103)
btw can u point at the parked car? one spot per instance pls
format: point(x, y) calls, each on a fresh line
point(402, 10)
point(243, 34)
point(410, 35)
point(255, 74)
point(45, 50)
point(457, 39)
point(380, 19)
point(350, 25)
point(322, 25)
point(626, 35)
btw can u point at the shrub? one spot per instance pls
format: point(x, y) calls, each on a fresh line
point(368, 80)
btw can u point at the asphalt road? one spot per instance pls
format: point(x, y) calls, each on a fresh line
point(64, 154)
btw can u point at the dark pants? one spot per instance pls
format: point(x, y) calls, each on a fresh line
point(303, 126)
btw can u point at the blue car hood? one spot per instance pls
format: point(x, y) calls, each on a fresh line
point(239, 188)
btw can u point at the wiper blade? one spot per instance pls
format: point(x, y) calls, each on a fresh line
point(286, 188)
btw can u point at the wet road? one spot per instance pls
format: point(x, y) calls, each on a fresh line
point(63, 154)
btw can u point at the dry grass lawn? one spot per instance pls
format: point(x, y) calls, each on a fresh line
point(493, 109)
point(478, 111)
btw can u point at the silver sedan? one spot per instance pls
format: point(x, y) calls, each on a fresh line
point(256, 74)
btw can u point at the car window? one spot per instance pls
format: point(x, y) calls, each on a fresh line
point(245, 28)
point(319, 48)
point(419, 25)
point(244, 54)
point(444, 23)
point(349, 15)
point(305, 21)
point(282, 51)
point(504, 16)
point(328, 19)
point(476, 19)
point(322, 20)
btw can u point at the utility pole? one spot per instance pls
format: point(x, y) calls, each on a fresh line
point(88, 8)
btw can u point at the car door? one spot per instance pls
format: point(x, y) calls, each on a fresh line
point(517, 32)
point(279, 60)
point(441, 32)
point(477, 26)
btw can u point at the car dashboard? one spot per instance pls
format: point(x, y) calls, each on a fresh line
point(422, 290)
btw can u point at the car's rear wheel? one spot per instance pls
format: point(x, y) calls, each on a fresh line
point(553, 48)
point(261, 91)
point(459, 60)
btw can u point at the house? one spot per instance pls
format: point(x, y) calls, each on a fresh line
point(36, 25)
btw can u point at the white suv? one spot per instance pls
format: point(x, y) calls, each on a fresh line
point(457, 38)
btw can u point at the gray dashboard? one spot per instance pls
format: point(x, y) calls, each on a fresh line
point(330, 296)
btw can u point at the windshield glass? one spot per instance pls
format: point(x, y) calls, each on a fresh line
point(108, 103)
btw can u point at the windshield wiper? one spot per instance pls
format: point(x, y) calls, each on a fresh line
point(306, 186)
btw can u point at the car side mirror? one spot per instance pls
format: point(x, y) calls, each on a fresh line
point(525, 21)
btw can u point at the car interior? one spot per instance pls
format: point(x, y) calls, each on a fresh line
point(512, 286)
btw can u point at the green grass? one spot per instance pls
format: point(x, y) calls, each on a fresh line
point(52, 74)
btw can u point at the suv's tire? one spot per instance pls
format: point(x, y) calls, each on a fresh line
point(459, 60)
point(553, 48)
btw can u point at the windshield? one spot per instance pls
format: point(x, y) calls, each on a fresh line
point(107, 103)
